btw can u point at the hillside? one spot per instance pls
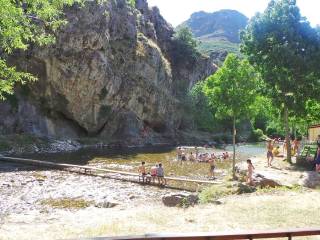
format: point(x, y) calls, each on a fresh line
point(217, 32)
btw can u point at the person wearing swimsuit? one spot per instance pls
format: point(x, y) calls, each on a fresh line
point(142, 171)
point(212, 164)
point(269, 152)
point(250, 172)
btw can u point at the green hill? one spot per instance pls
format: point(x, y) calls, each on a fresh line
point(218, 32)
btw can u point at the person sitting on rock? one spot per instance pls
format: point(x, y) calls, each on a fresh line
point(276, 152)
point(142, 171)
point(160, 175)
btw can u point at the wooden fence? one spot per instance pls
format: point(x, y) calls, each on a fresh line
point(287, 234)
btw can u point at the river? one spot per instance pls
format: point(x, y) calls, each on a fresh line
point(129, 159)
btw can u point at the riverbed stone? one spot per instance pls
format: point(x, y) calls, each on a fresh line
point(310, 179)
point(106, 204)
point(180, 200)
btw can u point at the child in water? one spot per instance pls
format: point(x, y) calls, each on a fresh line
point(250, 172)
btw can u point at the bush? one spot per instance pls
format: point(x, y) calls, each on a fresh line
point(257, 136)
point(185, 45)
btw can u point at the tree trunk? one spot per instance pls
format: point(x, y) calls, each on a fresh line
point(286, 123)
point(234, 149)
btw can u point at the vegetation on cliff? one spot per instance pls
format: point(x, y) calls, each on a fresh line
point(22, 24)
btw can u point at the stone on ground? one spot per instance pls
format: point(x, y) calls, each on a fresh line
point(180, 199)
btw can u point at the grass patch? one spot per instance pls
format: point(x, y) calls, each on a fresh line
point(39, 176)
point(294, 188)
point(212, 193)
point(67, 203)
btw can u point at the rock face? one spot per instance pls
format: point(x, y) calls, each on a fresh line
point(112, 74)
point(310, 179)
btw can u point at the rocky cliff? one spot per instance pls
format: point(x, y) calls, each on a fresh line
point(112, 74)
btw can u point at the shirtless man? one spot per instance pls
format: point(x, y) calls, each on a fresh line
point(212, 163)
point(296, 145)
point(142, 171)
point(269, 152)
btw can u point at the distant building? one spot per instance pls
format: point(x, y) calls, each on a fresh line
point(313, 132)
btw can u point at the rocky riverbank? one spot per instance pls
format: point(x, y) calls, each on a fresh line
point(47, 204)
point(24, 188)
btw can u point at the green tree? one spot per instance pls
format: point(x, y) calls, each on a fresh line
point(232, 89)
point(283, 47)
point(185, 44)
point(22, 23)
point(201, 111)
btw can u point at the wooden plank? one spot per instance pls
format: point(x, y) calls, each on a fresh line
point(221, 236)
point(64, 165)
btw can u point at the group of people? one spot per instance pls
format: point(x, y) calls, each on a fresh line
point(182, 155)
point(201, 158)
point(156, 172)
point(273, 148)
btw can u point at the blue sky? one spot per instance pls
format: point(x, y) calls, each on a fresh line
point(177, 11)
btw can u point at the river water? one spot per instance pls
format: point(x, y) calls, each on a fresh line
point(129, 159)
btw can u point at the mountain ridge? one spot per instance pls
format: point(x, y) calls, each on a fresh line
point(218, 32)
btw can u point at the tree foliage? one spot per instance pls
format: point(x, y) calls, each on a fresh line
point(185, 44)
point(285, 49)
point(202, 113)
point(232, 90)
point(23, 23)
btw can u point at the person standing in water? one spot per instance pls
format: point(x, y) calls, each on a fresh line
point(250, 172)
point(212, 164)
point(269, 152)
point(197, 152)
point(179, 153)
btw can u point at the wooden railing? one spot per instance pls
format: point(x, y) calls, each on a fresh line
point(289, 234)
